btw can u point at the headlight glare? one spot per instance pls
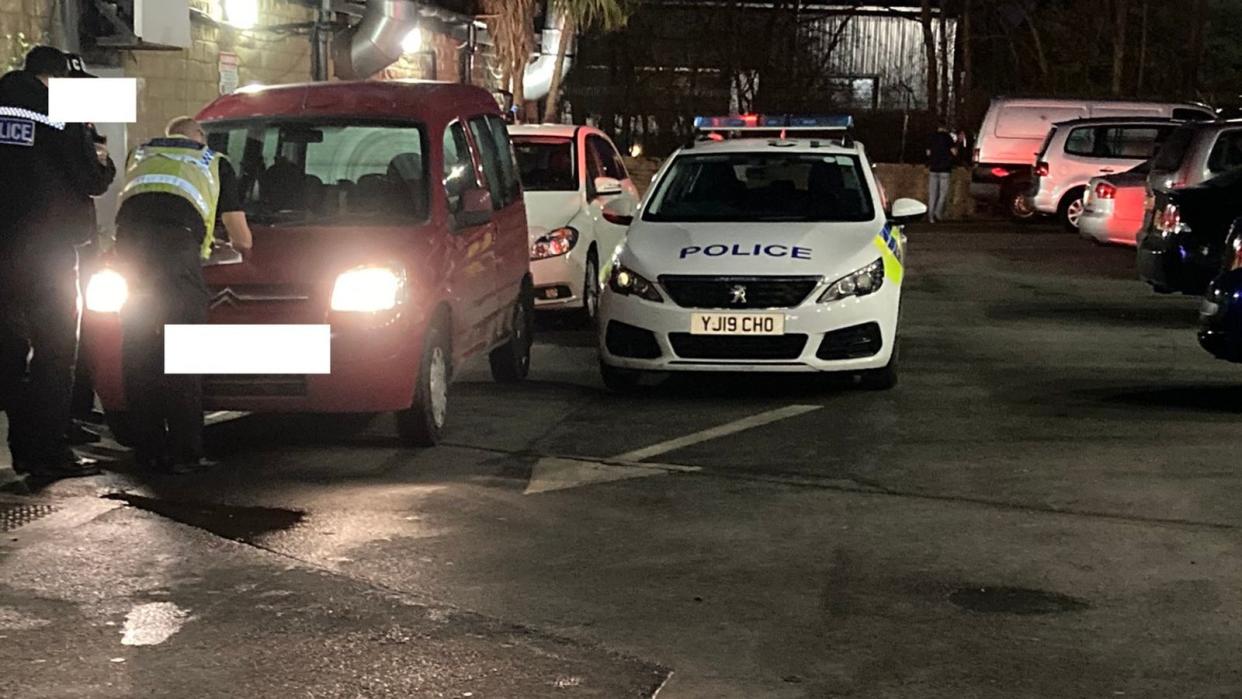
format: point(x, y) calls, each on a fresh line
point(862, 282)
point(106, 292)
point(554, 243)
point(368, 289)
point(627, 282)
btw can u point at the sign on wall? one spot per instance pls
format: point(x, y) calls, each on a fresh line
point(229, 77)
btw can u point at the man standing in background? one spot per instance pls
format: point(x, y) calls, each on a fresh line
point(941, 156)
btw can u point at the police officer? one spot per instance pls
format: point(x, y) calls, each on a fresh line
point(48, 173)
point(174, 189)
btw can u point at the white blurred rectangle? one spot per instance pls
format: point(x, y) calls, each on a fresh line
point(247, 349)
point(93, 100)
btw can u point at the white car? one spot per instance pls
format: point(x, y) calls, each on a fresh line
point(569, 173)
point(759, 254)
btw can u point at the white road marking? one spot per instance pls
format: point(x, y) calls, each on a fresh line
point(558, 473)
point(716, 432)
point(152, 624)
point(220, 416)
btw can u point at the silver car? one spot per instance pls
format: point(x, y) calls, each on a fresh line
point(1195, 153)
point(1077, 150)
point(1114, 207)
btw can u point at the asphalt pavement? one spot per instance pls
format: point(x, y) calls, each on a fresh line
point(1044, 507)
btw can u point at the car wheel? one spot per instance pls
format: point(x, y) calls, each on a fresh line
point(121, 425)
point(590, 291)
point(881, 379)
point(1020, 206)
point(422, 424)
point(619, 380)
point(1071, 208)
point(511, 361)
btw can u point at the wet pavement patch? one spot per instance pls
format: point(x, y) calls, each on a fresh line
point(1014, 600)
point(245, 524)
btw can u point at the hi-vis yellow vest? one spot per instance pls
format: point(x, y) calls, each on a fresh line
point(190, 173)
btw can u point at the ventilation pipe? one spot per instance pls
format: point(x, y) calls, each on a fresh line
point(375, 42)
point(537, 80)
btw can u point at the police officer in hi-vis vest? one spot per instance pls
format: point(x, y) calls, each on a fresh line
point(175, 187)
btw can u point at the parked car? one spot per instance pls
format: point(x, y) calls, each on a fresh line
point(1014, 128)
point(1182, 248)
point(569, 174)
point(1115, 207)
point(1220, 312)
point(1077, 150)
point(1196, 152)
point(390, 211)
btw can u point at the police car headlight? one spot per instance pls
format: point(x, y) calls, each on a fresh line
point(626, 281)
point(368, 289)
point(106, 292)
point(554, 244)
point(867, 280)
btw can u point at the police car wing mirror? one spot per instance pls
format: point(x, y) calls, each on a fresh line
point(618, 212)
point(907, 211)
point(607, 187)
point(476, 208)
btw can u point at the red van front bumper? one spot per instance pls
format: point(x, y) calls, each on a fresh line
point(374, 369)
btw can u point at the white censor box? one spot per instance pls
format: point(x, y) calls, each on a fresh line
point(93, 100)
point(247, 349)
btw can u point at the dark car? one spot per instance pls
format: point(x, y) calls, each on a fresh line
point(1182, 247)
point(1220, 313)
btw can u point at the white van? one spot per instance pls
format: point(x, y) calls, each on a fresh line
point(1014, 130)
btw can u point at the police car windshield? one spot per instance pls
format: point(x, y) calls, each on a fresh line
point(327, 171)
point(547, 164)
point(762, 187)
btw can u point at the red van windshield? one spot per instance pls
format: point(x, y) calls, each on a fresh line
point(318, 172)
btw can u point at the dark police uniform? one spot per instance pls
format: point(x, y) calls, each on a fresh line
point(48, 173)
point(162, 239)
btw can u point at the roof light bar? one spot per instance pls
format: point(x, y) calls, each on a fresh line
point(789, 122)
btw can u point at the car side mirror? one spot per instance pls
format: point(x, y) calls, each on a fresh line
point(619, 212)
point(476, 208)
point(907, 211)
point(607, 187)
point(223, 253)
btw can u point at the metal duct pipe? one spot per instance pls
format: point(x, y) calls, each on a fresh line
point(537, 79)
point(375, 42)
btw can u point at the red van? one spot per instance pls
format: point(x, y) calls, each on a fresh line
point(390, 211)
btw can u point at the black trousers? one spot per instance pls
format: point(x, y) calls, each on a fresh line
point(162, 264)
point(38, 349)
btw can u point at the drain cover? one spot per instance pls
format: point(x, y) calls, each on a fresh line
point(19, 514)
point(1014, 600)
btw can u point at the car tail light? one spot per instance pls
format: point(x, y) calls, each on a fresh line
point(1169, 219)
point(1105, 190)
point(1041, 169)
point(1000, 173)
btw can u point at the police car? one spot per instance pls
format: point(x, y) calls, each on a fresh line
point(766, 246)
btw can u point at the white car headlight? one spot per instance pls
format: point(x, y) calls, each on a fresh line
point(106, 292)
point(867, 280)
point(554, 244)
point(368, 289)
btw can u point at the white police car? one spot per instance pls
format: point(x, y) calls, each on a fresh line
point(759, 253)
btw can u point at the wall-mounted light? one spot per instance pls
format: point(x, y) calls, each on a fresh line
point(413, 42)
point(242, 14)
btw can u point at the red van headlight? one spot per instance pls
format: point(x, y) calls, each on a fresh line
point(369, 289)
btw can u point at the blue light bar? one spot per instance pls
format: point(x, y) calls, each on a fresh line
point(834, 122)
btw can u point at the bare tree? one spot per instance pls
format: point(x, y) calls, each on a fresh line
point(1142, 59)
point(1121, 11)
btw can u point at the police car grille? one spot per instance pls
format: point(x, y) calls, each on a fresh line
point(771, 347)
point(738, 292)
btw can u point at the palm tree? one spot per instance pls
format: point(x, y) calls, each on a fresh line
point(580, 15)
point(509, 22)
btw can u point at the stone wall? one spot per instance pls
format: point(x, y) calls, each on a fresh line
point(898, 181)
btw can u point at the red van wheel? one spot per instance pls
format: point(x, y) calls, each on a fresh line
point(422, 424)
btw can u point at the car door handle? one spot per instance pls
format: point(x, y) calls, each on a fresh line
point(1107, 171)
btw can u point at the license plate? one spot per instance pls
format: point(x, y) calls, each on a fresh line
point(737, 324)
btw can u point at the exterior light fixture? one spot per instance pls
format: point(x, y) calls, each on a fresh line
point(413, 42)
point(242, 14)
